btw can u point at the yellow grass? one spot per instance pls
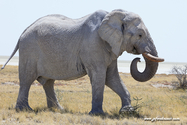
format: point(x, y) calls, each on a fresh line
point(75, 97)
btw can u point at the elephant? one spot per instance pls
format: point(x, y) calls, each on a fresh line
point(56, 47)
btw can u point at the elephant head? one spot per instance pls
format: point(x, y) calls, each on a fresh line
point(125, 31)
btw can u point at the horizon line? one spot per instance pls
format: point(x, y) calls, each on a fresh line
point(118, 60)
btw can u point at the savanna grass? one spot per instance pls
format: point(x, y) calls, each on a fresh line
point(75, 96)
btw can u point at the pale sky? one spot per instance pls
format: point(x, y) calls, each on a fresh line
point(166, 21)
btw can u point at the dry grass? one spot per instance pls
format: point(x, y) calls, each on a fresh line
point(75, 97)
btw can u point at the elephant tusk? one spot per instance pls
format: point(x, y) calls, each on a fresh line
point(152, 58)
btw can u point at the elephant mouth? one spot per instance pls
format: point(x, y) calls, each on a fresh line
point(148, 56)
point(134, 51)
point(152, 58)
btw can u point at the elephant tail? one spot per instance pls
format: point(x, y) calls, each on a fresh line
point(13, 53)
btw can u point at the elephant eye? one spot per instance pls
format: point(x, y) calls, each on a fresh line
point(140, 36)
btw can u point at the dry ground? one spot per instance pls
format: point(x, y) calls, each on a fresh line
point(75, 97)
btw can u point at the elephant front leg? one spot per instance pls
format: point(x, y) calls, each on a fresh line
point(114, 82)
point(97, 99)
point(98, 82)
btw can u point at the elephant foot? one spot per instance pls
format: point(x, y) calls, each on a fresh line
point(93, 112)
point(126, 109)
point(23, 108)
point(58, 107)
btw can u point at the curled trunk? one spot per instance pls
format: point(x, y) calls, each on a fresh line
point(147, 74)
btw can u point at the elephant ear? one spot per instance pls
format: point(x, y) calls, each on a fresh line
point(110, 30)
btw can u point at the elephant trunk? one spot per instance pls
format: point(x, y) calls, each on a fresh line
point(150, 69)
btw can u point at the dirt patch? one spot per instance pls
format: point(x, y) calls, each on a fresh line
point(163, 84)
point(9, 83)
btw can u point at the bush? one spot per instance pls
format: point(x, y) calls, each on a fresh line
point(180, 73)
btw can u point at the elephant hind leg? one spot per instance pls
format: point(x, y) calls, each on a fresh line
point(22, 100)
point(48, 85)
point(27, 75)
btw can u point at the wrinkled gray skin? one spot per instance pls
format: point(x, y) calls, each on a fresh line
point(56, 47)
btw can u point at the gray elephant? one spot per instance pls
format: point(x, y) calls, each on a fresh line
point(56, 47)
